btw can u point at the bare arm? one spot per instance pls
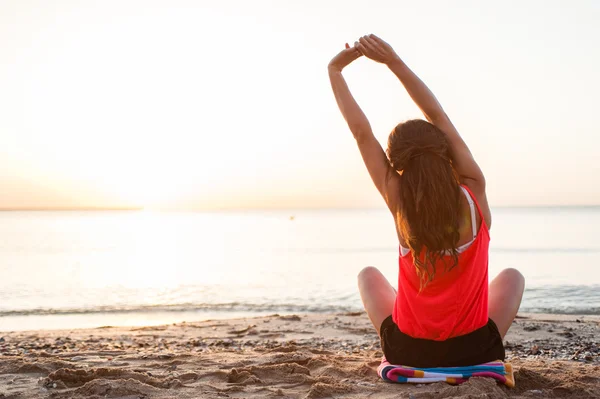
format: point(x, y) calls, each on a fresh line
point(355, 117)
point(375, 48)
point(469, 171)
point(464, 163)
point(373, 155)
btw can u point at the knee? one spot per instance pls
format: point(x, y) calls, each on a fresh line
point(367, 274)
point(513, 275)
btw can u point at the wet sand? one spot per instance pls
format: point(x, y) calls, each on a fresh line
point(300, 356)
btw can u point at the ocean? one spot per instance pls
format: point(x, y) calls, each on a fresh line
point(89, 269)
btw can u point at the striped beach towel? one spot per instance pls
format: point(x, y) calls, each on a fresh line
point(498, 370)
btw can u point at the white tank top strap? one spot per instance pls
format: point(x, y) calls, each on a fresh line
point(473, 214)
point(462, 248)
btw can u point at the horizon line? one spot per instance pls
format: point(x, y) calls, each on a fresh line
point(237, 209)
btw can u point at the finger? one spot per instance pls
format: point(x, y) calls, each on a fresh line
point(368, 45)
point(375, 49)
point(372, 42)
point(347, 45)
point(356, 55)
point(352, 52)
point(360, 48)
point(377, 39)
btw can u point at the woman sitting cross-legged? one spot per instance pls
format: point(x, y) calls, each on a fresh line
point(443, 312)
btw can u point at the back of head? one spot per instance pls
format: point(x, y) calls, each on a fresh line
point(429, 194)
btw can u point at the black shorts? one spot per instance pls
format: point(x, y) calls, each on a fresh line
point(480, 346)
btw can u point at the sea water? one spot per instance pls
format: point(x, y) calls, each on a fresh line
point(90, 269)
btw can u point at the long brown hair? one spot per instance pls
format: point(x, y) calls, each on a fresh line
point(429, 203)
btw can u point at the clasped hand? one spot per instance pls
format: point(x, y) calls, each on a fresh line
point(370, 46)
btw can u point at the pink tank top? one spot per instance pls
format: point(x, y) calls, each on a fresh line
point(455, 302)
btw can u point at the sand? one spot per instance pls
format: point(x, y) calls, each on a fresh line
point(299, 356)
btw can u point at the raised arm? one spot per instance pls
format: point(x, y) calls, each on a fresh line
point(374, 157)
point(464, 164)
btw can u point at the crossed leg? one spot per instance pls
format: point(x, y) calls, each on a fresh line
point(378, 296)
point(504, 297)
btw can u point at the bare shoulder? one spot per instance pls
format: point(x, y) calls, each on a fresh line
point(477, 187)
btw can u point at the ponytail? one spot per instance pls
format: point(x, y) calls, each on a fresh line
point(429, 200)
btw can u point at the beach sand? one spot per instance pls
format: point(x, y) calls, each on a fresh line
point(298, 356)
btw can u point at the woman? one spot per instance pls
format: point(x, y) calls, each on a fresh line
point(443, 313)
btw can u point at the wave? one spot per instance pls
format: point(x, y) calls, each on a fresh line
point(591, 311)
point(183, 307)
point(552, 298)
point(235, 307)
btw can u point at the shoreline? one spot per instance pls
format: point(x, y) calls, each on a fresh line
point(164, 318)
point(290, 356)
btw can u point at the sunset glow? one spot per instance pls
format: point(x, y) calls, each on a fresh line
point(227, 104)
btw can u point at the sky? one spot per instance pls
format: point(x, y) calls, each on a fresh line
point(227, 104)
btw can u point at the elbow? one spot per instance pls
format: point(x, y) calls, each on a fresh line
point(474, 180)
point(359, 136)
point(360, 132)
point(437, 117)
point(480, 179)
